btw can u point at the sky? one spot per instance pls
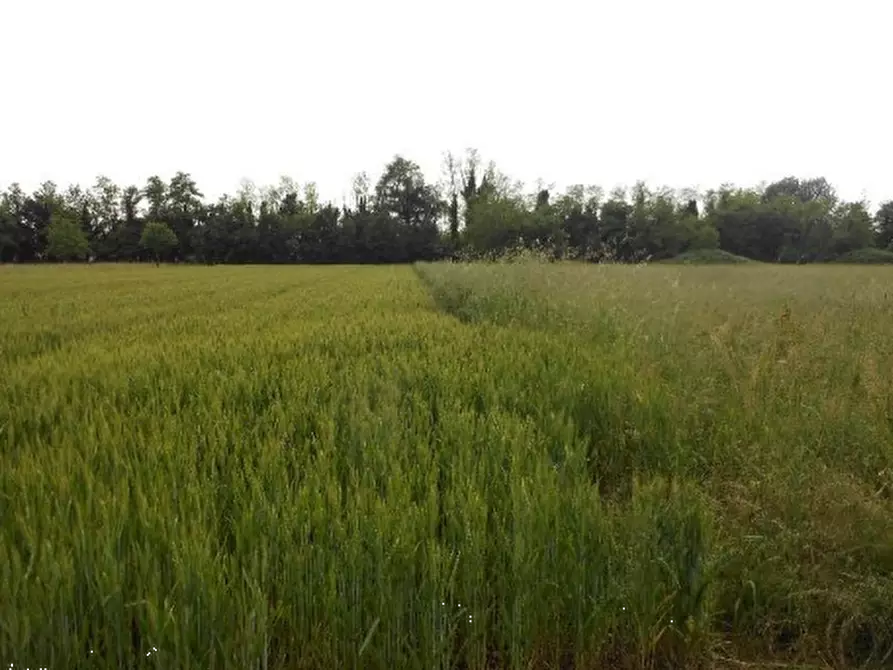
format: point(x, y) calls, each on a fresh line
point(688, 93)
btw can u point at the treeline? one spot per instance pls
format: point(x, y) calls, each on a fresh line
point(472, 211)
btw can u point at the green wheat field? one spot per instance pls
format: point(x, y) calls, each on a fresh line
point(506, 465)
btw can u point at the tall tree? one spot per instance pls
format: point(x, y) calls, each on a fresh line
point(403, 195)
point(614, 221)
point(105, 215)
point(884, 225)
point(543, 229)
point(184, 211)
point(130, 228)
point(696, 231)
point(452, 183)
point(471, 189)
point(577, 210)
point(497, 222)
point(13, 233)
point(36, 214)
point(229, 234)
point(852, 227)
point(155, 193)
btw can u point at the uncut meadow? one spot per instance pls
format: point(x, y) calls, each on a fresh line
point(476, 466)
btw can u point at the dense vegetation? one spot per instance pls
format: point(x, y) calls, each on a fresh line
point(472, 466)
point(471, 211)
point(709, 257)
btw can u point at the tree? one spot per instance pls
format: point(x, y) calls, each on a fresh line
point(317, 240)
point(544, 229)
point(806, 190)
point(650, 223)
point(66, 240)
point(156, 196)
point(852, 227)
point(696, 231)
point(403, 218)
point(104, 201)
point(883, 225)
point(468, 174)
point(12, 230)
point(614, 217)
point(35, 213)
point(9, 235)
point(403, 195)
point(747, 225)
point(127, 233)
point(184, 210)
point(577, 210)
point(158, 239)
point(451, 170)
point(496, 222)
point(229, 235)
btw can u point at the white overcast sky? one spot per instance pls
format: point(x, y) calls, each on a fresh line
point(683, 93)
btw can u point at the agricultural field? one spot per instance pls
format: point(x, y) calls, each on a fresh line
point(494, 465)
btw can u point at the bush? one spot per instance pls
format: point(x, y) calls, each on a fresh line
point(707, 256)
point(867, 256)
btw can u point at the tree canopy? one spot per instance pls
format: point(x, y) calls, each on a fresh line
point(158, 239)
point(473, 210)
point(65, 239)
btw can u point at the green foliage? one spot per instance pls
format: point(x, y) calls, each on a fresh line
point(803, 190)
point(403, 195)
point(66, 241)
point(593, 466)
point(495, 223)
point(158, 239)
point(853, 228)
point(869, 255)
point(474, 211)
point(9, 233)
point(577, 210)
point(707, 257)
point(791, 221)
point(884, 226)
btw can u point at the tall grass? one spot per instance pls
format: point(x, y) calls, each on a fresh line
point(324, 467)
point(763, 388)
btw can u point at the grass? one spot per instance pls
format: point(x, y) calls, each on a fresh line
point(461, 466)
